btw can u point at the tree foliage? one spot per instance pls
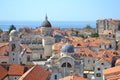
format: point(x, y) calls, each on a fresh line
point(95, 35)
point(88, 27)
point(12, 27)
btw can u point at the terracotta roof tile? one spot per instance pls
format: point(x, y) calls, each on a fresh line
point(37, 30)
point(111, 70)
point(118, 62)
point(5, 47)
point(73, 77)
point(112, 73)
point(35, 73)
point(27, 48)
point(16, 69)
point(85, 51)
point(3, 72)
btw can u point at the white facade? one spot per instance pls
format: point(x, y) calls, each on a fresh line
point(99, 66)
point(13, 77)
point(15, 54)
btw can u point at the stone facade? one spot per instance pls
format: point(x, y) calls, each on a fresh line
point(64, 63)
point(15, 54)
point(109, 24)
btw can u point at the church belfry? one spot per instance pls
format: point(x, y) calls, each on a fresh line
point(14, 48)
point(46, 27)
point(47, 39)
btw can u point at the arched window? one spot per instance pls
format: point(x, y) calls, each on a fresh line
point(69, 65)
point(66, 65)
point(63, 65)
point(13, 47)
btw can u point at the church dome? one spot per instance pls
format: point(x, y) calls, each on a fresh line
point(46, 23)
point(13, 33)
point(67, 48)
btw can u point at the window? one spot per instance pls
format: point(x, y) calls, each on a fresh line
point(28, 58)
point(15, 78)
point(98, 74)
point(113, 36)
point(3, 62)
point(88, 61)
point(119, 27)
point(63, 65)
point(110, 46)
point(13, 47)
point(69, 65)
point(66, 65)
point(102, 63)
point(93, 61)
point(98, 69)
point(55, 77)
point(13, 59)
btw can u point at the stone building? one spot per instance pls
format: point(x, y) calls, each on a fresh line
point(15, 54)
point(109, 24)
point(47, 39)
point(99, 66)
point(40, 44)
point(64, 63)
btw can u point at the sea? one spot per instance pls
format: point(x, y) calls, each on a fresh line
point(5, 25)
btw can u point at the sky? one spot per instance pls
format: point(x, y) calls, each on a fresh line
point(58, 10)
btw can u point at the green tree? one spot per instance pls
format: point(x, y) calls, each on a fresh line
point(88, 27)
point(12, 27)
point(76, 32)
point(94, 35)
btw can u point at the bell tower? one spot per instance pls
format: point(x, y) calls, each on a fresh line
point(14, 48)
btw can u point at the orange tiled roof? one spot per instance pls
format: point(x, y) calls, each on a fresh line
point(85, 51)
point(76, 41)
point(57, 46)
point(3, 72)
point(27, 48)
point(16, 69)
point(37, 30)
point(5, 47)
point(112, 73)
point(118, 62)
point(107, 54)
point(35, 73)
point(73, 77)
point(96, 41)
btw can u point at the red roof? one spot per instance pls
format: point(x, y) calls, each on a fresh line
point(73, 77)
point(3, 72)
point(35, 73)
point(16, 69)
point(112, 73)
point(27, 48)
point(5, 47)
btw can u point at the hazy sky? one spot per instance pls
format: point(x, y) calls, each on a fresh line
point(59, 10)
